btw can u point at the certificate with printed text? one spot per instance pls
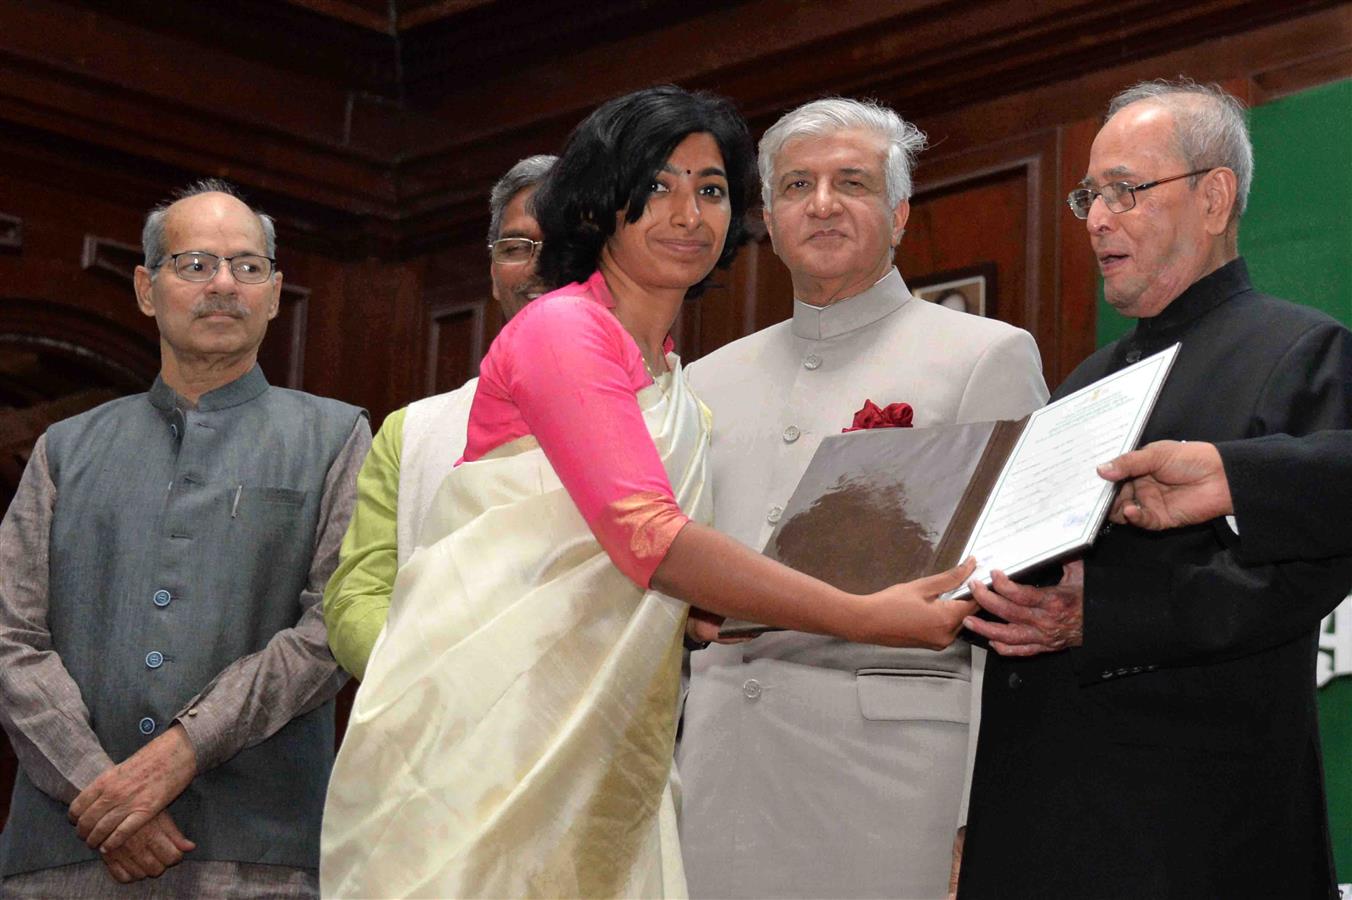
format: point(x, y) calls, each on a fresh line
point(1049, 500)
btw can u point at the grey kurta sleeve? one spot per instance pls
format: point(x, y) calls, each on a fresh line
point(40, 705)
point(258, 694)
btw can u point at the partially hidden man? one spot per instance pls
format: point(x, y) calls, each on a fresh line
point(417, 446)
point(165, 676)
point(813, 767)
point(1149, 729)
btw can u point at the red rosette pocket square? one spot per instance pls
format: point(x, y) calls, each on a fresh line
point(893, 415)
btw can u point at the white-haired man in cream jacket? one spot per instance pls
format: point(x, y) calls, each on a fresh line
point(813, 767)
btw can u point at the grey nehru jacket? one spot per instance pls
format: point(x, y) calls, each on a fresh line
point(186, 550)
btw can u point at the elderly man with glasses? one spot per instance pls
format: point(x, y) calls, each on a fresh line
point(165, 677)
point(1149, 723)
point(417, 446)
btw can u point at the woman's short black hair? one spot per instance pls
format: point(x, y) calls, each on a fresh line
point(608, 165)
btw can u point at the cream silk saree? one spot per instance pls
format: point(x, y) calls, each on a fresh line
point(514, 734)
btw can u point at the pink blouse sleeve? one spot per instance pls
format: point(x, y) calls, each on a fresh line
point(572, 373)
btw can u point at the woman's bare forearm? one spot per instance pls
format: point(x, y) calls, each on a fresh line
point(717, 573)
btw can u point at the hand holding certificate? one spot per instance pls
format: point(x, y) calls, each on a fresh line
point(879, 507)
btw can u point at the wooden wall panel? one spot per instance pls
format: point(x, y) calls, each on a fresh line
point(967, 223)
point(282, 355)
point(773, 299)
point(1077, 277)
point(753, 293)
point(455, 345)
point(995, 204)
point(11, 233)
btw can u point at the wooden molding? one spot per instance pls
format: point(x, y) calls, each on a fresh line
point(390, 18)
point(129, 359)
point(283, 352)
point(1034, 159)
point(128, 374)
point(334, 140)
point(439, 316)
point(116, 259)
point(11, 232)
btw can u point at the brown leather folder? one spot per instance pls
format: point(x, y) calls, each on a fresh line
point(878, 507)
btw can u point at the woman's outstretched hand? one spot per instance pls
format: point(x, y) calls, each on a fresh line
point(912, 615)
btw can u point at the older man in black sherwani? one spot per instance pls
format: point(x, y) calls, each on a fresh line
point(1150, 725)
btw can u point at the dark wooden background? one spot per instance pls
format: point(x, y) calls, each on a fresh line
point(372, 131)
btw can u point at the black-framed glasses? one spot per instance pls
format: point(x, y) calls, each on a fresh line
point(514, 251)
point(1119, 196)
point(198, 265)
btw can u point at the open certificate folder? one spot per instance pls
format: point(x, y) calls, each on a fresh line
point(878, 507)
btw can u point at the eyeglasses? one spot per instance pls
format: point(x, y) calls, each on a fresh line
point(514, 251)
point(198, 265)
point(1118, 196)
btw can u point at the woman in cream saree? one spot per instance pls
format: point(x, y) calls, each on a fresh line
point(563, 676)
point(514, 733)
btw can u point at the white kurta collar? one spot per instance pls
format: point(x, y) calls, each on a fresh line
point(818, 323)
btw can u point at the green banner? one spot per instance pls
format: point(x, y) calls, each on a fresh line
point(1296, 237)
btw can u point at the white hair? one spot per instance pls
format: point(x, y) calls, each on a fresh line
point(833, 114)
point(1210, 129)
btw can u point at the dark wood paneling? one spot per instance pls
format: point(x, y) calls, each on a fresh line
point(11, 232)
point(441, 56)
point(1077, 278)
point(282, 355)
point(1285, 50)
point(455, 344)
point(462, 108)
point(112, 354)
point(969, 223)
point(995, 204)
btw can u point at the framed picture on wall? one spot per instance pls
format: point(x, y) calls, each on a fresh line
point(969, 290)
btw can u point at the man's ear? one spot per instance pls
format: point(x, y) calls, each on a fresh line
point(276, 295)
point(142, 285)
point(899, 217)
point(1220, 192)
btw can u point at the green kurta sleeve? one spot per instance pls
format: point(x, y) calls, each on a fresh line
point(357, 598)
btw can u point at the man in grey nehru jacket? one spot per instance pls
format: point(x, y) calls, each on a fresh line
point(813, 767)
point(165, 677)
